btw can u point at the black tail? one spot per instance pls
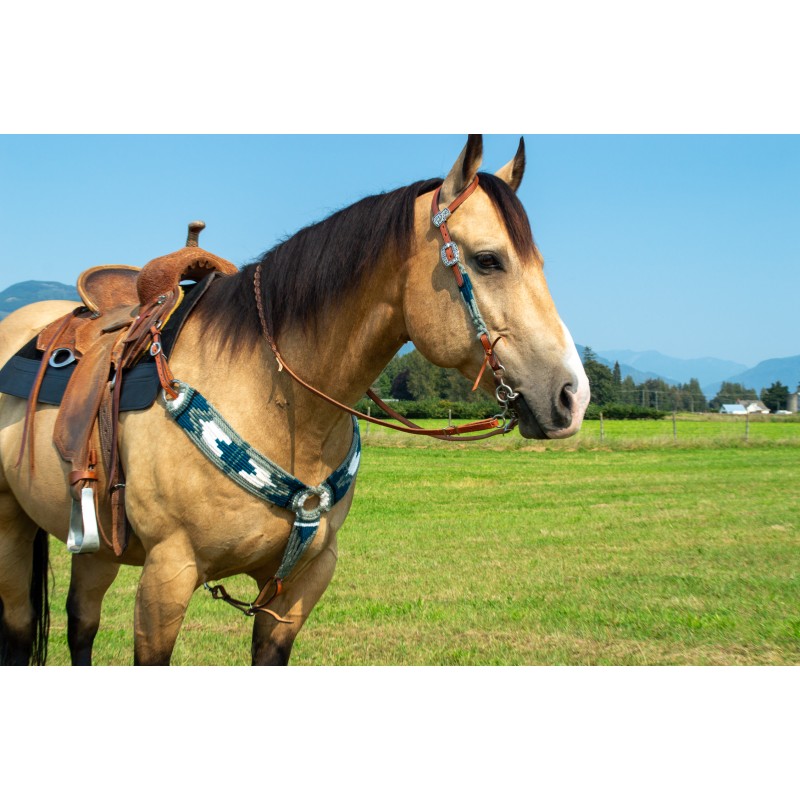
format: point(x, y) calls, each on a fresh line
point(40, 597)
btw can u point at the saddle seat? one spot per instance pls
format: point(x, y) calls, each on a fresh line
point(115, 293)
point(110, 286)
point(110, 303)
point(123, 313)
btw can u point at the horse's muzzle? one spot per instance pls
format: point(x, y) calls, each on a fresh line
point(529, 426)
point(558, 419)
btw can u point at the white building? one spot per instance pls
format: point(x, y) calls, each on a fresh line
point(732, 408)
point(754, 407)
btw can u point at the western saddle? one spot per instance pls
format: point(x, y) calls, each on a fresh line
point(121, 320)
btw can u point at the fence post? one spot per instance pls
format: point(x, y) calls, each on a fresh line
point(602, 431)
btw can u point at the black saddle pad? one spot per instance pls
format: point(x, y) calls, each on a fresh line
point(140, 384)
point(139, 387)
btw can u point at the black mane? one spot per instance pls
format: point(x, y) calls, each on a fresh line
point(322, 263)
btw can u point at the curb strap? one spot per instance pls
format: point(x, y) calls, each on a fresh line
point(255, 473)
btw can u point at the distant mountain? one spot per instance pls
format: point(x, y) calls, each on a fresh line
point(679, 370)
point(20, 294)
point(625, 368)
point(710, 372)
point(763, 375)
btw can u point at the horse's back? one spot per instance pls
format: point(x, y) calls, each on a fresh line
point(20, 326)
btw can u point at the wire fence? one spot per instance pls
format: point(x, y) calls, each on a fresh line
point(673, 430)
point(686, 400)
point(687, 428)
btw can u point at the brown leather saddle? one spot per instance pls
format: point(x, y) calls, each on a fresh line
point(121, 320)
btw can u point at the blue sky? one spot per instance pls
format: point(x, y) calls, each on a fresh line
point(686, 244)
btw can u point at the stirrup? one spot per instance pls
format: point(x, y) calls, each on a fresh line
point(83, 534)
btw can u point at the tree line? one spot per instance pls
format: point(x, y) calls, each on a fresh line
point(418, 388)
point(609, 389)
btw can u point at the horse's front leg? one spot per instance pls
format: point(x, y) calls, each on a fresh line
point(90, 579)
point(168, 580)
point(273, 640)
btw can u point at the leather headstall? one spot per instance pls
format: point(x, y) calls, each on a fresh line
point(500, 424)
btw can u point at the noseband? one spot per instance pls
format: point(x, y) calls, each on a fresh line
point(501, 423)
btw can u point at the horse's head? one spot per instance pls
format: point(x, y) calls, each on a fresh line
point(497, 253)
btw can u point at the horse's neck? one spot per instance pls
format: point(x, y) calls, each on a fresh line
point(341, 357)
point(348, 348)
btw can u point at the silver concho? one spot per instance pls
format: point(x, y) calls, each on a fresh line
point(301, 498)
point(441, 217)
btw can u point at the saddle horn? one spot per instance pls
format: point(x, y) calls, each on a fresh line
point(191, 262)
point(193, 236)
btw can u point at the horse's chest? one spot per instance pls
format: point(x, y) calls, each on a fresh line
point(251, 543)
point(236, 510)
point(228, 530)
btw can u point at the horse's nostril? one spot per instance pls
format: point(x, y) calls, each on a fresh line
point(566, 402)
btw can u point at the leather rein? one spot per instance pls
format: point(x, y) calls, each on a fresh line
point(502, 423)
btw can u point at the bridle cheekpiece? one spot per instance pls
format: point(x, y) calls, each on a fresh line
point(451, 257)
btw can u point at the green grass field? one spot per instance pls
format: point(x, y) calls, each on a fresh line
point(639, 549)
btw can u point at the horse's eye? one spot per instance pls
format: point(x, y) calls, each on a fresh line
point(488, 261)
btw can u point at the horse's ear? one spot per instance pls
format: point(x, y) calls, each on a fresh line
point(464, 170)
point(512, 172)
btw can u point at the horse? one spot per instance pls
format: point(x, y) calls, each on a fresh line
point(333, 304)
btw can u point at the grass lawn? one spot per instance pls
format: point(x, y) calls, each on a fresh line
point(637, 550)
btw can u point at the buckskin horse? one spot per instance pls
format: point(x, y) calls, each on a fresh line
point(260, 382)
